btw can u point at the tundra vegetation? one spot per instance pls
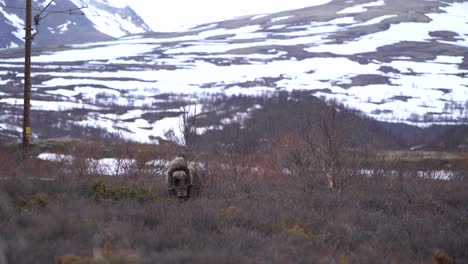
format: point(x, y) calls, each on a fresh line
point(299, 181)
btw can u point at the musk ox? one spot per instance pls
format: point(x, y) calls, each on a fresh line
point(182, 179)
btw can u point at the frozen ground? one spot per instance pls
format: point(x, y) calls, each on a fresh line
point(393, 65)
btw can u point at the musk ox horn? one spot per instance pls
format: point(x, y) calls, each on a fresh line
point(169, 181)
point(192, 174)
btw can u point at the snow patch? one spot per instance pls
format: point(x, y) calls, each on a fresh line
point(361, 8)
point(179, 15)
point(110, 23)
point(16, 22)
point(64, 27)
point(257, 17)
point(276, 19)
point(55, 157)
point(97, 53)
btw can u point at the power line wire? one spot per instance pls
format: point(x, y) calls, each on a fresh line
point(66, 11)
point(18, 7)
point(39, 17)
point(73, 12)
point(44, 9)
point(23, 11)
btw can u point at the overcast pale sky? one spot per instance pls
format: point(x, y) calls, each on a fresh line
point(176, 15)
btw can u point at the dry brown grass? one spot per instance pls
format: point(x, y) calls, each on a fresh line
point(263, 216)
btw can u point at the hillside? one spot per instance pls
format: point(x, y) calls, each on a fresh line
point(64, 22)
point(395, 61)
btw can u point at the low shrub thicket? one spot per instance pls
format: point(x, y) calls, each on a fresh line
point(101, 192)
point(261, 218)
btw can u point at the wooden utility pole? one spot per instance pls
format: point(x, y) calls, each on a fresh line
point(27, 80)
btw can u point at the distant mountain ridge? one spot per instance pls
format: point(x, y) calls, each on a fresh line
point(394, 61)
point(102, 20)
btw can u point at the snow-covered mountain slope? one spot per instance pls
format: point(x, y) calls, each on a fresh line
point(102, 20)
point(398, 61)
point(180, 15)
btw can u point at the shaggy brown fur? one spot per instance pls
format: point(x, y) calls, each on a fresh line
point(182, 179)
point(440, 257)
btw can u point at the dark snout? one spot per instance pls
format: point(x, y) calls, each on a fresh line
point(183, 197)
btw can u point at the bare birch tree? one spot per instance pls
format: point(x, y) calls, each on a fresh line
point(328, 139)
point(186, 142)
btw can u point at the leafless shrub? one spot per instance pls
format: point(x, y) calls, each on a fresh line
point(262, 223)
point(186, 144)
point(84, 159)
point(328, 140)
point(292, 161)
point(234, 159)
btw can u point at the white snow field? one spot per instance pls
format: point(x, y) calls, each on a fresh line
point(105, 166)
point(120, 167)
point(179, 15)
point(216, 59)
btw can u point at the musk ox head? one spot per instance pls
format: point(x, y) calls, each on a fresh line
point(181, 183)
point(179, 178)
